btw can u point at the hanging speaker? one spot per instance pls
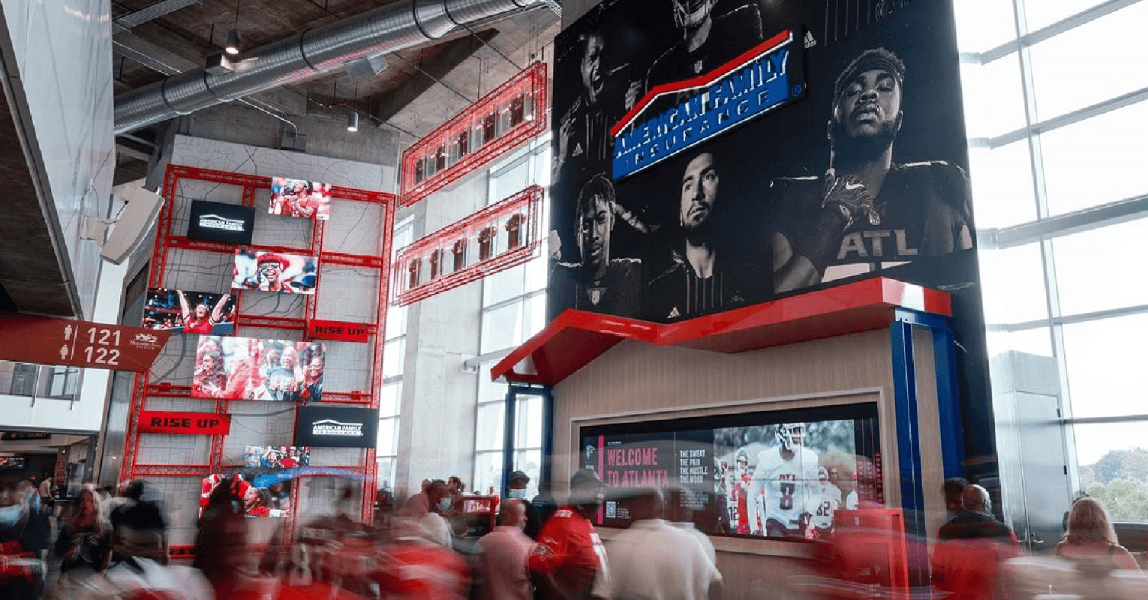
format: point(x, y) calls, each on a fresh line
point(134, 225)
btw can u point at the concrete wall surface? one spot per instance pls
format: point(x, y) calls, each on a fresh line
point(64, 54)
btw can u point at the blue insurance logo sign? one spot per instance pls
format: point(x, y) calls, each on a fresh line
point(673, 117)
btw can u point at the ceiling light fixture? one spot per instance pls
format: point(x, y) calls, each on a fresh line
point(232, 46)
point(353, 115)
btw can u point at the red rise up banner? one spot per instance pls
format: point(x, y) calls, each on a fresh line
point(186, 423)
point(74, 343)
point(338, 330)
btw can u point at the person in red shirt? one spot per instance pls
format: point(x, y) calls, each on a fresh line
point(256, 501)
point(569, 555)
point(739, 494)
point(200, 321)
point(417, 568)
point(270, 273)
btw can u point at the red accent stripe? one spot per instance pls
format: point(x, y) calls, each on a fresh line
point(763, 48)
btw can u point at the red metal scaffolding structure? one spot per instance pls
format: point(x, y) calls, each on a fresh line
point(165, 241)
point(494, 125)
point(524, 240)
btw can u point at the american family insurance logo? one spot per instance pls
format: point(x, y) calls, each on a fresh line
point(332, 427)
point(218, 222)
point(748, 86)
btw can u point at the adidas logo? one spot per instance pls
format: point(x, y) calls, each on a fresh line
point(674, 313)
point(809, 41)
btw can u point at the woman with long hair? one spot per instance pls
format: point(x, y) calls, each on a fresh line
point(85, 538)
point(201, 319)
point(1091, 537)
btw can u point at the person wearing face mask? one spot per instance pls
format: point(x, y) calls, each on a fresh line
point(503, 553)
point(21, 572)
point(435, 527)
point(533, 522)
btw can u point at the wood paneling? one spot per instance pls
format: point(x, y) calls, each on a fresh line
point(635, 382)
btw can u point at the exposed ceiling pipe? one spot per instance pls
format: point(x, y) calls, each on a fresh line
point(385, 29)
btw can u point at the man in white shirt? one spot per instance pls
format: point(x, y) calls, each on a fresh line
point(657, 561)
point(503, 556)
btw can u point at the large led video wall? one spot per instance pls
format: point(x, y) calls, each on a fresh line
point(300, 198)
point(239, 368)
point(274, 272)
point(778, 474)
point(190, 312)
point(717, 154)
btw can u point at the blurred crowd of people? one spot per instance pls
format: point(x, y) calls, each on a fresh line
point(437, 545)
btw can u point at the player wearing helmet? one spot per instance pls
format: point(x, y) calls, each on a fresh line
point(740, 480)
point(782, 485)
point(828, 499)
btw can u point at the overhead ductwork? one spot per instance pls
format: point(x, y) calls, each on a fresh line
point(385, 29)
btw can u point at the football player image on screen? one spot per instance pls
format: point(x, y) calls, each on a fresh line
point(783, 482)
point(827, 500)
point(705, 273)
point(867, 212)
point(740, 480)
point(598, 283)
point(708, 41)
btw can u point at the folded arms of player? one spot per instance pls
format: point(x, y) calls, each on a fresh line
point(801, 262)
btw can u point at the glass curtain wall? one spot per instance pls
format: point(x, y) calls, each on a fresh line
point(513, 310)
point(1056, 106)
point(394, 355)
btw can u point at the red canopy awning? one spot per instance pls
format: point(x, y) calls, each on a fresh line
point(577, 337)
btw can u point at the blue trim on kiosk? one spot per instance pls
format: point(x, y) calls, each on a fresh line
point(948, 403)
point(908, 446)
point(948, 392)
point(908, 430)
point(908, 425)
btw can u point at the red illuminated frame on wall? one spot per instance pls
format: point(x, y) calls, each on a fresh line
point(165, 242)
point(511, 114)
point(494, 239)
